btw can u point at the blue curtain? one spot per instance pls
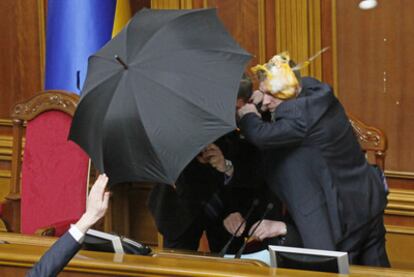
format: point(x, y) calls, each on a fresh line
point(75, 30)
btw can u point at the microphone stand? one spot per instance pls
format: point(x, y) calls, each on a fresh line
point(249, 212)
point(246, 239)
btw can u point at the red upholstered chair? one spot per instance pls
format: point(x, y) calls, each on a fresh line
point(54, 171)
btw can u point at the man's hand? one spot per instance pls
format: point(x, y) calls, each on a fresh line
point(268, 229)
point(213, 155)
point(262, 87)
point(201, 158)
point(257, 97)
point(232, 222)
point(96, 205)
point(248, 108)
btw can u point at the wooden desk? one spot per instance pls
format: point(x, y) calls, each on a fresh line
point(24, 251)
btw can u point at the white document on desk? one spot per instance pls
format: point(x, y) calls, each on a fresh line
point(263, 256)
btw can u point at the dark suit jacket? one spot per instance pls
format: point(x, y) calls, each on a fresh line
point(315, 165)
point(56, 258)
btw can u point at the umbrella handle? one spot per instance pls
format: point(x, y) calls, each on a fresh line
point(121, 61)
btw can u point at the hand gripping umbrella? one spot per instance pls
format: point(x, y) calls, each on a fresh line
point(158, 93)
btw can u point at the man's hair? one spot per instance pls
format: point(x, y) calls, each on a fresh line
point(245, 88)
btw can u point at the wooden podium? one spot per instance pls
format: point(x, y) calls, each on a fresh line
point(22, 251)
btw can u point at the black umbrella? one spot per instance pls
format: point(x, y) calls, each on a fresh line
point(158, 93)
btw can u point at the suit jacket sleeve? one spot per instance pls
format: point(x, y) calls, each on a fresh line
point(56, 258)
point(286, 130)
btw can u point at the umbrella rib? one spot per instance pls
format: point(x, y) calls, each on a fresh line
point(112, 59)
point(153, 148)
point(187, 100)
point(104, 79)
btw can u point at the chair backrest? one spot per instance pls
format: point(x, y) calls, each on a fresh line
point(54, 170)
point(373, 141)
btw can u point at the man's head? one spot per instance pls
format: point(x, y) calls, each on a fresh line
point(279, 76)
point(272, 100)
point(270, 103)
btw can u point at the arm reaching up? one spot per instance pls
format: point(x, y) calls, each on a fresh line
point(96, 205)
point(62, 251)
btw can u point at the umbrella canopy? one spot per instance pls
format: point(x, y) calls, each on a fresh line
point(158, 93)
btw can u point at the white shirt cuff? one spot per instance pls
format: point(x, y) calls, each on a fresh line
point(76, 233)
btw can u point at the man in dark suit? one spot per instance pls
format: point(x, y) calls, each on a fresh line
point(315, 165)
point(63, 250)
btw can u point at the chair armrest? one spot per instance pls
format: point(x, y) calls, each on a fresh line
point(57, 229)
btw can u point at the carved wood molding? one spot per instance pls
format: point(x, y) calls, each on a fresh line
point(370, 137)
point(372, 140)
point(399, 174)
point(46, 100)
point(403, 230)
point(6, 122)
point(5, 174)
point(6, 148)
point(400, 203)
point(6, 144)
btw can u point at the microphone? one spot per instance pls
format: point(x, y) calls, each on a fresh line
point(249, 212)
point(247, 239)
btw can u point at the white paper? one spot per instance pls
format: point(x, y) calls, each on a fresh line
point(263, 256)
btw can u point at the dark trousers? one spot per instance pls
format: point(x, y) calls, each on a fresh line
point(216, 234)
point(367, 245)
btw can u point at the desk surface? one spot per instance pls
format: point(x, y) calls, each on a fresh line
point(24, 251)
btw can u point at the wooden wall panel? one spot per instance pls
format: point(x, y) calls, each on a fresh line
point(241, 19)
point(364, 46)
point(373, 67)
point(400, 245)
point(136, 5)
point(375, 61)
point(21, 56)
point(130, 215)
point(328, 40)
point(298, 31)
point(21, 68)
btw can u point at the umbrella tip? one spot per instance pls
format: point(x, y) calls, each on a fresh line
point(121, 61)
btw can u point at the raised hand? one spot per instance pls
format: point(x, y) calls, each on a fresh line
point(213, 155)
point(96, 205)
